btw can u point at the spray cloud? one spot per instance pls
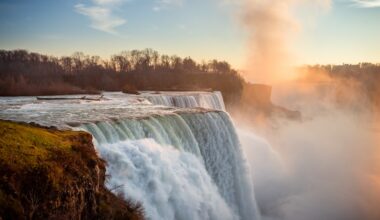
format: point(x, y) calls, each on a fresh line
point(272, 26)
point(325, 166)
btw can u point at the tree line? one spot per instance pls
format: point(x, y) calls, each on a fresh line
point(29, 73)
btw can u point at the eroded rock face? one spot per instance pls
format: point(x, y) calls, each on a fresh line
point(51, 174)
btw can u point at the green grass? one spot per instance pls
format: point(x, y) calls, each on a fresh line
point(45, 174)
point(24, 145)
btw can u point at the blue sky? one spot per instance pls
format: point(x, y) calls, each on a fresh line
point(348, 32)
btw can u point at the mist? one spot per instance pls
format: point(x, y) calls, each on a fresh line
point(322, 167)
point(272, 28)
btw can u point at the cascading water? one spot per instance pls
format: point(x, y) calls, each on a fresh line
point(209, 138)
point(170, 184)
point(207, 100)
point(179, 163)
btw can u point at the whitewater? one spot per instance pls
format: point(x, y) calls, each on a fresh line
point(176, 153)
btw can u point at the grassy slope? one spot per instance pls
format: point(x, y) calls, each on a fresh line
point(50, 174)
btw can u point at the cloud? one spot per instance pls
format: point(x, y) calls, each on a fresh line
point(164, 4)
point(107, 2)
point(272, 28)
point(366, 3)
point(101, 15)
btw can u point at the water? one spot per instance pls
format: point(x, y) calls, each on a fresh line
point(170, 184)
point(114, 105)
point(210, 100)
point(181, 161)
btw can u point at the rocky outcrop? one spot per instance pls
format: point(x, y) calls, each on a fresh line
point(51, 174)
point(256, 103)
point(258, 95)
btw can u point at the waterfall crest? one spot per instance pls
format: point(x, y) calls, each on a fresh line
point(208, 100)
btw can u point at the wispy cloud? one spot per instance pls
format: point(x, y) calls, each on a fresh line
point(102, 12)
point(107, 2)
point(366, 3)
point(101, 15)
point(164, 4)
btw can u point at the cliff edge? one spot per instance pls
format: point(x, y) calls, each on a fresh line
point(51, 174)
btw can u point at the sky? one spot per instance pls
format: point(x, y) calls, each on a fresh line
point(347, 32)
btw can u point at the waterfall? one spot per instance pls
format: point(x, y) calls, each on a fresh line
point(180, 166)
point(179, 157)
point(209, 100)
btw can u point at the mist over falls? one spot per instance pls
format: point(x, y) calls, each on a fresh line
point(324, 166)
